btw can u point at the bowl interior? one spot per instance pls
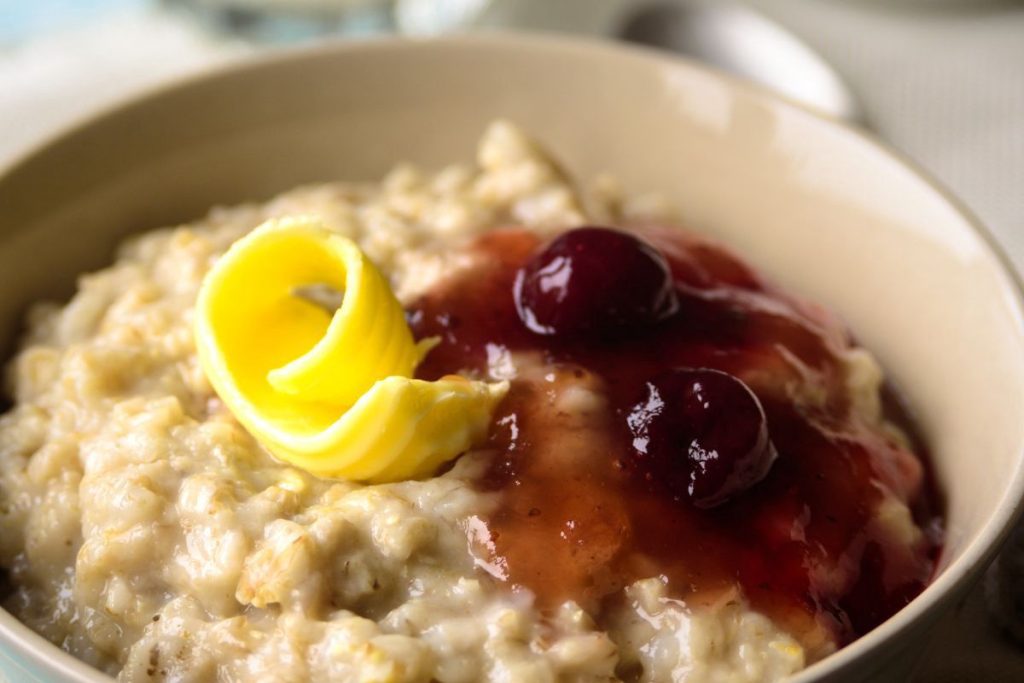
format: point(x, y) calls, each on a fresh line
point(821, 209)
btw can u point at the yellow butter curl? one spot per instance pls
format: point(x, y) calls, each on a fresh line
point(330, 393)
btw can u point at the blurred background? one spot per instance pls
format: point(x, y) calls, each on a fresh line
point(941, 80)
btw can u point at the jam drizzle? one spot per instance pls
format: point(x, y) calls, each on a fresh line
point(579, 519)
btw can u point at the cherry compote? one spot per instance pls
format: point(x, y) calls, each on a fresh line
point(759, 474)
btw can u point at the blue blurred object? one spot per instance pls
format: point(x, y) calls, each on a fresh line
point(277, 21)
point(20, 19)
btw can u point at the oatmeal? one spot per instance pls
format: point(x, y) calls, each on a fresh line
point(146, 532)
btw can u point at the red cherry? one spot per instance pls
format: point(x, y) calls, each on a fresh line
point(594, 279)
point(702, 433)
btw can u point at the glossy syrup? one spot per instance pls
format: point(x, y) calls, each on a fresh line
point(578, 519)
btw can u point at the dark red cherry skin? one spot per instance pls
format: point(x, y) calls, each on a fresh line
point(594, 280)
point(702, 433)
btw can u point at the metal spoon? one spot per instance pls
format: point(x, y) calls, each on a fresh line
point(743, 42)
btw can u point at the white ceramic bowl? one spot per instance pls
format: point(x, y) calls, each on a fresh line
point(822, 208)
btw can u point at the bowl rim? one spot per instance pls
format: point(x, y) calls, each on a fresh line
point(952, 582)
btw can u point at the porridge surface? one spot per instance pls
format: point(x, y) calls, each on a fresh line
point(148, 534)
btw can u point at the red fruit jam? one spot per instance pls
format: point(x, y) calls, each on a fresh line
point(806, 527)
